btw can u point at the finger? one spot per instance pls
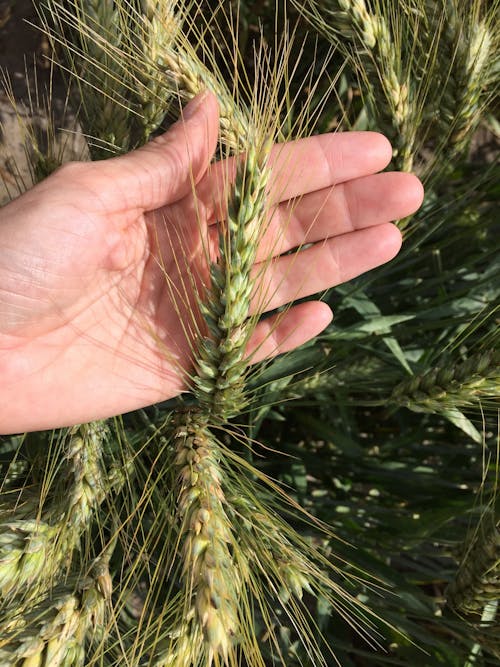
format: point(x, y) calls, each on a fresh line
point(286, 331)
point(303, 166)
point(347, 207)
point(363, 202)
point(165, 169)
point(324, 265)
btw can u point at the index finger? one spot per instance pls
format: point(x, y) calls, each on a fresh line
point(302, 166)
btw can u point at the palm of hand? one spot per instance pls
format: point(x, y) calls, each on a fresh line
point(102, 263)
point(105, 290)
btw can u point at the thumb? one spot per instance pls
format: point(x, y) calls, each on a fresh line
point(164, 170)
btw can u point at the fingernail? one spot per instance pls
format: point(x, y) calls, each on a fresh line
point(192, 107)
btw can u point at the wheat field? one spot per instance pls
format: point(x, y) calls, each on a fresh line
point(337, 505)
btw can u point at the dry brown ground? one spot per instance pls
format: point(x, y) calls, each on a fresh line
point(24, 51)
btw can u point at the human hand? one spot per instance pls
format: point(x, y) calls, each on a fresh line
point(97, 297)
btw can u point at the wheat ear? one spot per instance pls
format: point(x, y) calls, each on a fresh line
point(55, 631)
point(221, 363)
point(95, 58)
point(378, 62)
point(467, 44)
point(187, 76)
point(33, 551)
point(157, 30)
point(478, 579)
point(211, 580)
point(464, 384)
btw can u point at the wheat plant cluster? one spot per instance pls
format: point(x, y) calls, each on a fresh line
point(339, 504)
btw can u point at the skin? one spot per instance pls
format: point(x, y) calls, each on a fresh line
point(97, 301)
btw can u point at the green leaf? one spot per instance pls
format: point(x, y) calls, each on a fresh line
point(458, 418)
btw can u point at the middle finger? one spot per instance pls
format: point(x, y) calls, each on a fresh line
point(343, 208)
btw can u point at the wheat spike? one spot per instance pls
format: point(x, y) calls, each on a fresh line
point(465, 384)
point(478, 579)
point(212, 581)
point(55, 631)
point(33, 550)
point(91, 35)
point(221, 364)
point(377, 60)
point(187, 76)
point(106, 115)
point(467, 44)
point(157, 35)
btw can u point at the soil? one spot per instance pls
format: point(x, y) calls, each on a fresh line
point(25, 79)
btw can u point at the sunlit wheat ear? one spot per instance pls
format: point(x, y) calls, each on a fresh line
point(223, 573)
point(467, 45)
point(470, 383)
point(187, 76)
point(213, 590)
point(38, 543)
point(90, 35)
point(59, 627)
point(212, 582)
point(377, 58)
point(153, 32)
point(221, 360)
